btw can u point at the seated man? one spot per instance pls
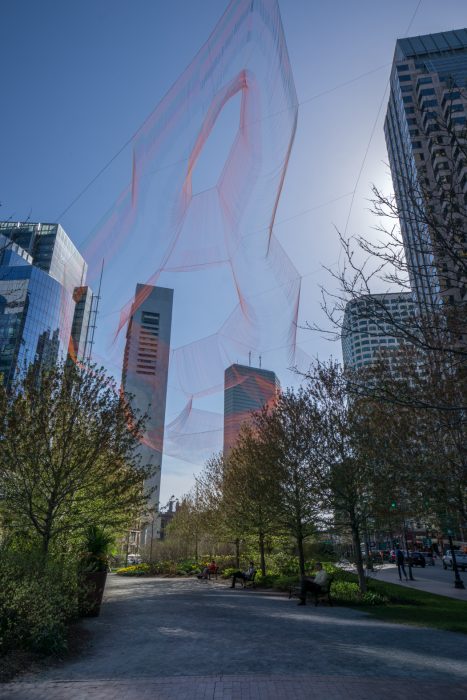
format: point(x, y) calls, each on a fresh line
point(248, 575)
point(316, 584)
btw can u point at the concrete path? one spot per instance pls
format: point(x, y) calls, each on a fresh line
point(432, 579)
point(172, 638)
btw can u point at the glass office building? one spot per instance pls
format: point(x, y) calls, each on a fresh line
point(426, 137)
point(40, 269)
point(246, 389)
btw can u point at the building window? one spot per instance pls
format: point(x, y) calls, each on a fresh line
point(426, 91)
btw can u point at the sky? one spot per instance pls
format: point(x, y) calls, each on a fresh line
point(79, 78)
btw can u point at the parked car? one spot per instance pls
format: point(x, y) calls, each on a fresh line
point(461, 560)
point(429, 558)
point(134, 559)
point(415, 559)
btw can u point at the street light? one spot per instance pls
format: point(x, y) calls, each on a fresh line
point(458, 582)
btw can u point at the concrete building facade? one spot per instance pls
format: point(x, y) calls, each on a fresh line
point(369, 329)
point(145, 374)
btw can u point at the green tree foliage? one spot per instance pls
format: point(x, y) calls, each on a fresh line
point(68, 455)
point(252, 487)
point(289, 430)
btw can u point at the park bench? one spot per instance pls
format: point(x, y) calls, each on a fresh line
point(213, 573)
point(250, 582)
point(324, 595)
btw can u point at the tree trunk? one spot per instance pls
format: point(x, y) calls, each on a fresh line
point(45, 543)
point(261, 553)
point(301, 554)
point(237, 553)
point(358, 556)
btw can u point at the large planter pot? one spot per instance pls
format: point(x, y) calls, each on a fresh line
point(92, 585)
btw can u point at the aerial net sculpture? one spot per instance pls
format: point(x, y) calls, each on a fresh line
point(212, 241)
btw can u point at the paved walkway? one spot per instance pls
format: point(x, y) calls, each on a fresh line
point(167, 638)
point(432, 579)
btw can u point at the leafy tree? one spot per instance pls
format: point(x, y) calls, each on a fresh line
point(68, 454)
point(289, 430)
point(251, 489)
point(187, 525)
point(347, 473)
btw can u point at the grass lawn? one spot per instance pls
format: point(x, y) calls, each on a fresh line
point(418, 608)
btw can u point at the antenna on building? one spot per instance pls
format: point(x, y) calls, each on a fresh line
point(260, 361)
point(249, 359)
point(93, 314)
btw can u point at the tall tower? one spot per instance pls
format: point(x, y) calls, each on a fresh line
point(246, 389)
point(426, 135)
point(366, 336)
point(145, 371)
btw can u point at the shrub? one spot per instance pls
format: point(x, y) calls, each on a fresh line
point(283, 583)
point(349, 593)
point(134, 570)
point(95, 556)
point(227, 573)
point(37, 600)
point(267, 581)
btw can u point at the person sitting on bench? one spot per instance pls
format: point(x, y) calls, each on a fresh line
point(212, 569)
point(204, 574)
point(316, 584)
point(248, 575)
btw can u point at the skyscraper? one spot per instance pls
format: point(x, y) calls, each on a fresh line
point(40, 269)
point(368, 331)
point(246, 389)
point(426, 136)
point(145, 372)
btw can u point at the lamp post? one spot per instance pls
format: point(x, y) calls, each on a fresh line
point(458, 582)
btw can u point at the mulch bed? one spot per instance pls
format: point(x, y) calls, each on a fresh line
point(18, 662)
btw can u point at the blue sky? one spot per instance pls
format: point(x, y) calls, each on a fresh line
point(79, 78)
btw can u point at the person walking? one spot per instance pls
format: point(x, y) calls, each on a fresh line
point(400, 564)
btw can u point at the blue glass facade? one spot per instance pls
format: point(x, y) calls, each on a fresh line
point(37, 302)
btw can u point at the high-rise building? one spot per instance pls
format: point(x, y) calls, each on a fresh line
point(40, 270)
point(145, 373)
point(369, 328)
point(426, 137)
point(246, 389)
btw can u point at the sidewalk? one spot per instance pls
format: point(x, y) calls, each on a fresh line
point(239, 688)
point(167, 639)
point(422, 582)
